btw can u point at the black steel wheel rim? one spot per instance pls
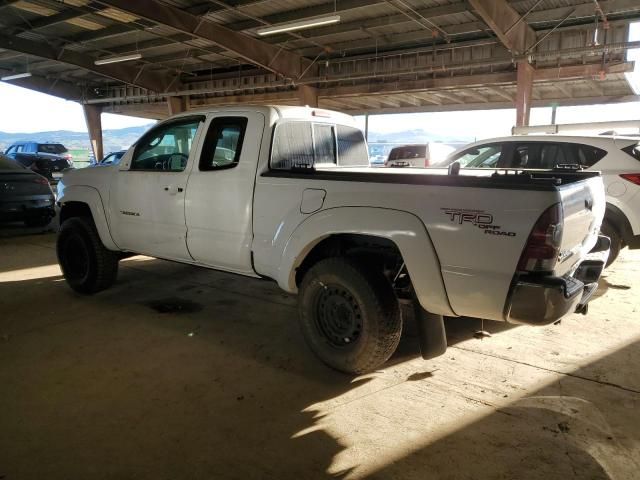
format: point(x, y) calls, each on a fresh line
point(338, 316)
point(76, 258)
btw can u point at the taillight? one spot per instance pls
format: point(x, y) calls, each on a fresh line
point(631, 177)
point(543, 245)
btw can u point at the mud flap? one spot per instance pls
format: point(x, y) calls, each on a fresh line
point(431, 333)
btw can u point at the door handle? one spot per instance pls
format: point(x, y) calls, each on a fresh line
point(172, 189)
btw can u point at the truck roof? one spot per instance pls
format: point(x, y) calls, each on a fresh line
point(282, 111)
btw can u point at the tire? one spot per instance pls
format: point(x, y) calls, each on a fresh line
point(87, 266)
point(616, 241)
point(364, 328)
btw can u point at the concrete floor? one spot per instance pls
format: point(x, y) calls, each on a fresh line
point(179, 372)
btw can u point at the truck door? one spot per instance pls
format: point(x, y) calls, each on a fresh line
point(148, 192)
point(219, 200)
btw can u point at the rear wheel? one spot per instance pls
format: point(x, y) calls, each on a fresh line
point(616, 241)
point(86, 264)
point(349, 315)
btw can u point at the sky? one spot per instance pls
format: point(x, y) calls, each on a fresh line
point(35, 112)
point(27, 111)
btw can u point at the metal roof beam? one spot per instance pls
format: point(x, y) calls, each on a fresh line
point(506, 23)
point(431, 86)
point(57, 88)
point(255, 51)
point(127, 73)
point(381, 21)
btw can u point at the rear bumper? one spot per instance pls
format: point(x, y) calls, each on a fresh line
point(35, 206)
point(541, 300)
point(544, 300)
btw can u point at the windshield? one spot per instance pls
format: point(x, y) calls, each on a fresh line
point(7, 163)
point(410, 151)
point(51, 148)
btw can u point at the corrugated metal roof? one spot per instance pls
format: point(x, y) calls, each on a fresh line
point(369, 28)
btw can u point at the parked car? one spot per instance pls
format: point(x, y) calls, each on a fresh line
point(47, 159)
point(618, 158)
point(24, 195)
point(422, 155)
point(298, 203)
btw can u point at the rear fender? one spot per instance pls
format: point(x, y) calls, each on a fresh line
point(405, 230)
point(90, 197)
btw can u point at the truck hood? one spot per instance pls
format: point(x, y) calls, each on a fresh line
point(90, 177)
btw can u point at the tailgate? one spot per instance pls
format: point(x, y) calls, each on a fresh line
point(583, 205)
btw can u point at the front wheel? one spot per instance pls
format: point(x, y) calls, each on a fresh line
point(349, 315)
point(87, 265)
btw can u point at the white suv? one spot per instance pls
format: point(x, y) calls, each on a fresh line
point(618, 158)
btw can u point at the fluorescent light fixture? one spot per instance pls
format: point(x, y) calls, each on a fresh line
point(289, 27)
point(121, 58)
point(16, 76)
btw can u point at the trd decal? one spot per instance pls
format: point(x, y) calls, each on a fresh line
point(478, 218)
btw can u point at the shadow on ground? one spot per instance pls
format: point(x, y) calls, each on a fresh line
point(179, 372)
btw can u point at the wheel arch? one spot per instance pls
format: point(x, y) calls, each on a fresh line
point(618, 220)
point(86, 201)
point(324, 233)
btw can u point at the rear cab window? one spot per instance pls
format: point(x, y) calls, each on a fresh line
point(299, 144)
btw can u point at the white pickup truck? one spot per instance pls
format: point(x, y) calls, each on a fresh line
point(285, 193)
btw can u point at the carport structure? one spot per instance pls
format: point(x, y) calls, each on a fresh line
point(151, 58)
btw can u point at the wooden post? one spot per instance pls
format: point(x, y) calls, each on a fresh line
point(94, 125)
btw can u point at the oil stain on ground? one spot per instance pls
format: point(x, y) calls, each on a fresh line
point(174, 305)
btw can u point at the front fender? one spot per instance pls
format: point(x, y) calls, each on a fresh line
point(405, 230)
point(90, 197)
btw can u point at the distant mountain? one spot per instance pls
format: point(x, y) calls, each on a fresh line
point(116, 139)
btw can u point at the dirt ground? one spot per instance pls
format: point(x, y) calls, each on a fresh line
point(185, 373)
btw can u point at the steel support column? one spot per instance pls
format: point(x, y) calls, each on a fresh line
point(523, 93)
point(92, 115)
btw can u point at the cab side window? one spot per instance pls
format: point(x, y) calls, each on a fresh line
point(223, 145)
point(166, 147)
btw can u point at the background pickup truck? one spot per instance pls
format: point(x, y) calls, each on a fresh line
point(286, 193)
